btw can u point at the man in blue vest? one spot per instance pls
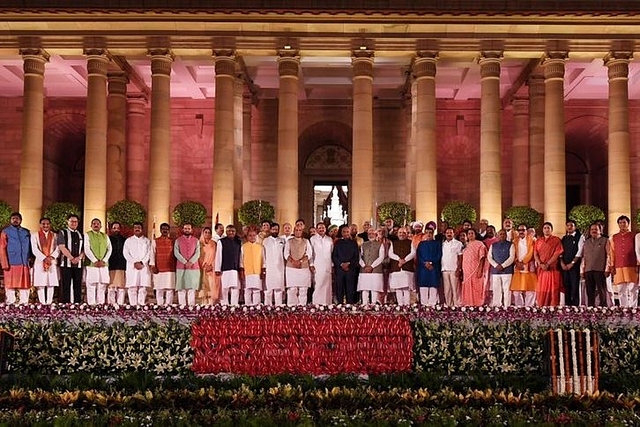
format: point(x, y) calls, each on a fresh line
point(15, 251)
point(501, 256)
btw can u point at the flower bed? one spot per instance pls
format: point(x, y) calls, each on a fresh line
point(445, 341)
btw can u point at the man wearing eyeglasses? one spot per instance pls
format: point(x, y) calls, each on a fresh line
point(523, 282)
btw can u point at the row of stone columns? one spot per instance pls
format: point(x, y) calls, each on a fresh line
point(543, 151)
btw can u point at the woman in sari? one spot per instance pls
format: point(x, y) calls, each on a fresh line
point(210, 282)
point(473, 260)
point(548, 249)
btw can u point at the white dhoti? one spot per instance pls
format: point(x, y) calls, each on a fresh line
point(165, 280)
point(97, 275)
point(401, 280)
point(371, 282)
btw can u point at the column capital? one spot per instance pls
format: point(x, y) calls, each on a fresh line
point(34, 60)
point(362, 66)
point(97, 61)
point(117, 82)
point(520, 106)
point(137, 103)
point(553, 64)
point(536, 85)
point(225, 63)
point(289, 64)
point(424, 65)
point(617, 63)
point(161, 60)
point(490, 64)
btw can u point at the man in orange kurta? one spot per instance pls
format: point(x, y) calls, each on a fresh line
point(524, 281)
point(14, 256)
point(548, 250)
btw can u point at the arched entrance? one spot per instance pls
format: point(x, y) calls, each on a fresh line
point(325, 160)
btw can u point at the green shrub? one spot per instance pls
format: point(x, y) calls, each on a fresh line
point(190, 212)
point(126, 212)
point(58, 213)
point(585, 215)
point(5, 213)
point(254, 212)
point(524, 215)
point(456, 212)
point(398, 211)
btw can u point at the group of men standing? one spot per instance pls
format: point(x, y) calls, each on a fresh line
point(268, 266)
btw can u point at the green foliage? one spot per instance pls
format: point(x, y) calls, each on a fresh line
point(58, 213)
point(524, 215)
point(638, 217)
point(400, 212)
point(126, 212)
point(5, 213)
point(254, 212)
point(456, 212)
point(191, 212)
point(585, 215)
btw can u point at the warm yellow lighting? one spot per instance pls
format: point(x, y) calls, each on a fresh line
point(287, 46)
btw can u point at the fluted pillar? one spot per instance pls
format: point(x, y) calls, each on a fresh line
point(224, 138)
point(424, 71)
point(362, 166)
point(31, 159)
point(619, 174)
point(520, 153)
point(555, 180)
point(288, 69)
point(160, 144)
point(137, 176)
point(238, 158)
point(95, 169)
point(247, 105)
point(410, 105)
point(490, 134)
point(536, 142)
point(117, 137)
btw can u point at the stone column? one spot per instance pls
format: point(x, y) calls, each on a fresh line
point(555, 180)
point(137, 176)
point(160, 144)
point(490, 134)
point(619, 174)
point(536, 142)
point(424, 71)
point(288, 69)
point(95, 169)
point(247, 105)
point(409, 105)
point(361, 191)
point(31, 158)
point(117, 137)
point(224, 138)
point(238, 158)
point(520, 153)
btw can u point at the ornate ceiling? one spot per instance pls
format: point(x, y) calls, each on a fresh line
point(325, 40)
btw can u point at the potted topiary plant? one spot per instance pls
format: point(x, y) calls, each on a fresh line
point(190, 212)
point(126, 212)
point(524, 215)
point(585, 215)
point(5, 213)
point(456, 212)
point(58, 213)
point(254, 212)
point(400, 212)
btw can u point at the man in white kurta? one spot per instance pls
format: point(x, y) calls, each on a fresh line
point(97, 249)
point(402, 267)
point(274, 266)
point(252, 268)
point(137, 251)
point(370, 279)
point(298, 254)
point(227, 266)
point(322, 265)
point(45, 269)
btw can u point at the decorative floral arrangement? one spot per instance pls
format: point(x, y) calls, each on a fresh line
point(524, 215)
point(254, 212)
point(584, 216)
point(58, 213)
point(5, 213)
point(191, 212)
point(126, 212)
point(302, 343)
point(456, 212)
point(400, 213)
